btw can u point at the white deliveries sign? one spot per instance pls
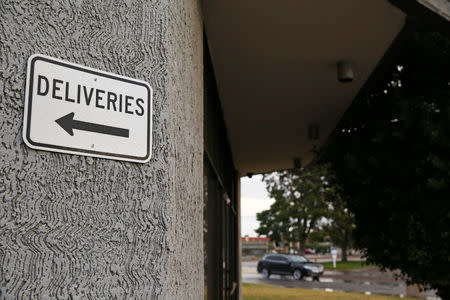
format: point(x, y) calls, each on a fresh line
point(79, 110)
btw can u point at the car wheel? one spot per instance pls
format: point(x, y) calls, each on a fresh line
point(259, 269)
point(297, 274)
point(265, 273)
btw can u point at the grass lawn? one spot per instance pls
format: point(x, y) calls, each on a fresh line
point(346, 265)
point(267, 292)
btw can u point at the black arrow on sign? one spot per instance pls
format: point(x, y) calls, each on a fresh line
point(69, 124)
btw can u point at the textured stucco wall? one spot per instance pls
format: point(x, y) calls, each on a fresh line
point(185, 95)
point(88, 228)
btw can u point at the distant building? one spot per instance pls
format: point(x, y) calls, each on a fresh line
point(255, 246)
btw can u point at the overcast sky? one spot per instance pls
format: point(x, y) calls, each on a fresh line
point(254, 199)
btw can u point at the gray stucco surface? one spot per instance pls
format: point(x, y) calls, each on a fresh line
point(185, 93)
point(74, 227)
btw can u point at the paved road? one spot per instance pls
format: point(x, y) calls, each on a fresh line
point(367, 280)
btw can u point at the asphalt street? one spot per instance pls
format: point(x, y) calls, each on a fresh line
point(367, 281)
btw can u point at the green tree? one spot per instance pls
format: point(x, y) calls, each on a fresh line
point(319, 235)
point(392, 155)
point(273, 225)
point(300, 204)
point(341, 223)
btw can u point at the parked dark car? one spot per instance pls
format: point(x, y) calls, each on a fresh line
point(295, 265)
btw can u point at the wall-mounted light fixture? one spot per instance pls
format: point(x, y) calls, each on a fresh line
point(344, 71)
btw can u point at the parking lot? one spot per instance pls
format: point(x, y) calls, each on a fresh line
point(365, 280)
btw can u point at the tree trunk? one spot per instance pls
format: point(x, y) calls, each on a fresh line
point(302, 245)
point(344, 252)
point(302, 248)
point(345, 246)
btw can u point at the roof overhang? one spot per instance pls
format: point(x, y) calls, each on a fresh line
point(276, 69)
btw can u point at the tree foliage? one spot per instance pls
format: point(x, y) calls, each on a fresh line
point(304, 199)
point(341, 222)
point(392, 155)
point(299, 204)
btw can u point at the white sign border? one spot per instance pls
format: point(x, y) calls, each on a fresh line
point(69, 150)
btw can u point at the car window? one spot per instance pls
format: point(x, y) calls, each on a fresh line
point(275, 257)
point(278, 258)
point(298, 258)
point(272, 257)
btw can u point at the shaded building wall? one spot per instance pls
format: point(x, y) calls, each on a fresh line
point(222, 197)
point(88, 228)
